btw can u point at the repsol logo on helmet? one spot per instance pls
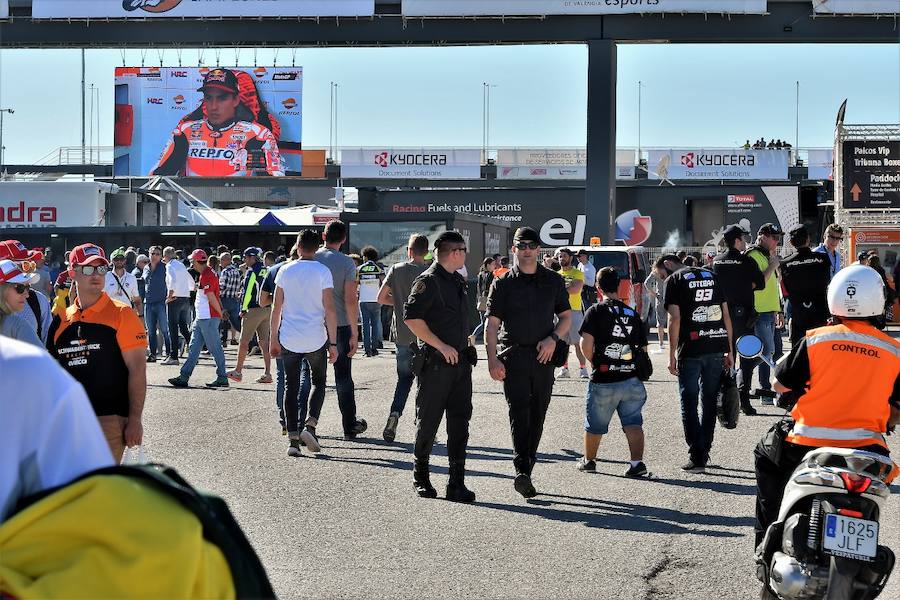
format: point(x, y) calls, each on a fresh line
point(213, 153)
point(856, 350)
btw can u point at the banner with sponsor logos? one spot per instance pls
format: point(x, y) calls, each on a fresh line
point(143, 9)
point(542, 163)
point(702, 164)
point(410, 163)
point(465, 8)
point(164, 124)
point(857, 7)
point(820, 164)
point(36, 204)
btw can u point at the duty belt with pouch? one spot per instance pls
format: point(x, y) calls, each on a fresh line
point(425, 355)
point(560, 353)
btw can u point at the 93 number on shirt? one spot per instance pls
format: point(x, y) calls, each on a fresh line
point(704, 295)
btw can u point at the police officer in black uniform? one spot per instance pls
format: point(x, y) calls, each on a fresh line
point(738, 276)
point(437, 313)
point(805, 276)
point(531, 305)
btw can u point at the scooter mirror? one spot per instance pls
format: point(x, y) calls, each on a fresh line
point(749, 346)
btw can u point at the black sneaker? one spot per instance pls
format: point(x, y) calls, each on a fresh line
point(524, 486)
point(588, 466)
point(638, 470)
point(692, 467)
point(358, 428)
point(294, 449)
point(179, 382)
point(151, 358)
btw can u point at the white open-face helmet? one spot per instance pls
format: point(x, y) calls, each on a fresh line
point(856, 292)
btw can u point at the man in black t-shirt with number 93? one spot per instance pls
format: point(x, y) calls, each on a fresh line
point(700, 334)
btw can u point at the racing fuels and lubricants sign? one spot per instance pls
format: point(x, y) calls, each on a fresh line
point(719, 164)
point(450, 8)
point(143, 9)
point(153, 102)
point(410, 163)
point(871, 174)
point(857, 7)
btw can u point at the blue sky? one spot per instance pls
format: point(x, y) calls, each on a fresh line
point(712, 95)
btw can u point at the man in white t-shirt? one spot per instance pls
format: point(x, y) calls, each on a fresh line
point(122, 285)
point(52, 438)
point(303, 327)
point(179, 285)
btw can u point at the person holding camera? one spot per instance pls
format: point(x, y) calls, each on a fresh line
point(437, 312)
point(531, 304)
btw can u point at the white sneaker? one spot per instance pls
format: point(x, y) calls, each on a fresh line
point(310, 440)
point(169, 361)
point(584, 373)
point(563, 373)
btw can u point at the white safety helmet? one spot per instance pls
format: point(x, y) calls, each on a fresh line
point(856, 292)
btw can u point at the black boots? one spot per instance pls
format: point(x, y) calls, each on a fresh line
point(421, 482)
point(746, 408)
point(456, 487)
point(523, 485)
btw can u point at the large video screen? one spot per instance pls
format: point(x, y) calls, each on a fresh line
point(208, 121)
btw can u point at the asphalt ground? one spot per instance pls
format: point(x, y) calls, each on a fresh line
point(346, 523)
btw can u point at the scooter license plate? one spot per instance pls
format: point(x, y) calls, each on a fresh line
point(850, 538)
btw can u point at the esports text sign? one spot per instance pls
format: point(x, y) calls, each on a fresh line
point(465, 8)
point(153, 9)
point(871, 174)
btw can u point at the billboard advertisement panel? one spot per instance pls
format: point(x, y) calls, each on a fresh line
point(144, 9)
point(871, 174)
point(247, 121)
point(26, 204)
point(451, 8)
point(4, 9)
point(410, 163)
point(857, 7)
point(542, 163)
point(701, 164)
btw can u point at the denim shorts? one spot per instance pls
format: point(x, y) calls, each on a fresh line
point(603, 399)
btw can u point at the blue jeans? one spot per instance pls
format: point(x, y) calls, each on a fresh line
point(206, 331)
point(155, 316)
point(765, 330)
point(179, 315)
point(405, 378)
point(371, 325)
point(482, 322)
point(343, 382)
point(626, 398)
point(698, 373)
point(233, 307)
point(295, 403)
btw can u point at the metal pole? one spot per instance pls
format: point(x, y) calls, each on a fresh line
point(1, 142)
point(331, 124)
point(484, 120)
point(639, 123)
point(83, 108)
point(797, 123)
point(336, 112)
point(488, 141)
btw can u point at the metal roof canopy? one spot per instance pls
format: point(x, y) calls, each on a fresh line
point(788, 21)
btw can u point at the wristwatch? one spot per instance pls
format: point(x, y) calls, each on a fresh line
point(554, 337)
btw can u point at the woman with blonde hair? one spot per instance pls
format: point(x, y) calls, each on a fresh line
point(14, 290)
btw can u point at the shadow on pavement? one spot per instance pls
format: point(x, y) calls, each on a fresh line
point(605, 514)
point(406, 465)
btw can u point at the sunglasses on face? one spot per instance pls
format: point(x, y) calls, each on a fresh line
point(528, 245)
point(835, 238)
point(92, 270)
point(155, 254)
point(21, 288)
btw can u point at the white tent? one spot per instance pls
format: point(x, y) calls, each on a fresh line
point(249, 216)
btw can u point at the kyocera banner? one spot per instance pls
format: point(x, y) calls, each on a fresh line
point(857, 7)
point(143, 9)
point(450, 8)
point(246, 121)
point(410, 163)
point(718, 164)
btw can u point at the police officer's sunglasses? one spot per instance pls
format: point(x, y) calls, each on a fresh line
point(528, 245)
point(92, 270)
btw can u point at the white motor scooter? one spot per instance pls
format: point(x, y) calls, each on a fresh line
point(824, 544)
